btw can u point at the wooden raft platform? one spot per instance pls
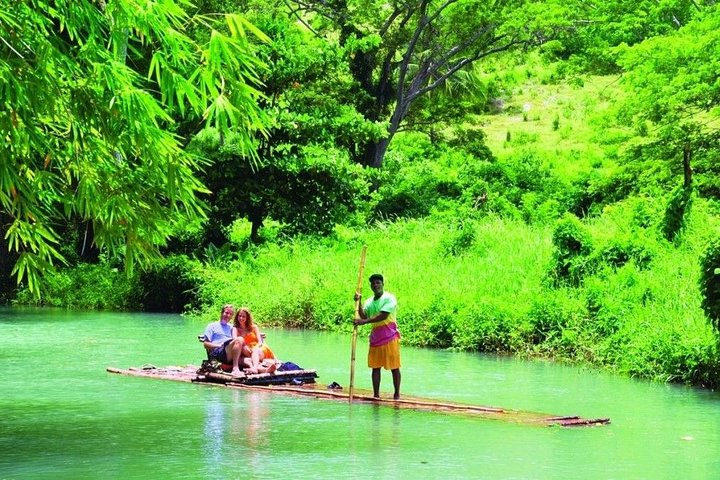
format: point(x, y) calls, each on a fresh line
point(302, 383)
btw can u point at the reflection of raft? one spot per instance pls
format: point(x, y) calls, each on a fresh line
point(302, 383)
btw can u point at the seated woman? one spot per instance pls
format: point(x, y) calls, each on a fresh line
point(255, 348)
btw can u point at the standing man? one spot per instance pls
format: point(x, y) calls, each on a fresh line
point(384, 337)
point(219, 343)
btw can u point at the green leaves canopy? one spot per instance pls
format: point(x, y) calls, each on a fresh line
point(675, 77)
point(401, 51)
point(303, 175)
point(90, 91)
point(676, 96)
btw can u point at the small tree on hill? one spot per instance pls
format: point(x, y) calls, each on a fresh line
point(673, 81)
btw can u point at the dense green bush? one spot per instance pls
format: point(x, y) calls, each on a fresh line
point(309, 188)
point(418, 183)
point(85, 286)
point(668, 355)
point(485, 328)
point(170, 285)
point(624, 249)
point(573, 246)
point(186, 238)
point(502, 207)
point(316, 191)
point(551, 318)
point(706, 172)
point(473, 141)
point(689, 363)
point(604, 312)
point(645, 212)
point(676, 212)
point(459, 240)
point(591, 191)
point(521, 186)
point(710, 282)
point(430, 327)
point(527, 171)
point(537, 208)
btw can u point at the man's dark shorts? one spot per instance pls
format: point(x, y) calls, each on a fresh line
point(218, 353)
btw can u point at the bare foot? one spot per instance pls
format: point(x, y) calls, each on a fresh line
point(252, 371)
point(236, 372)
point(272, 368)
point(396, 396)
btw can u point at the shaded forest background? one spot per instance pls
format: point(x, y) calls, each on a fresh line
point(533, 178)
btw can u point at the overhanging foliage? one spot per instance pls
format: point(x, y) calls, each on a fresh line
point(91, 91)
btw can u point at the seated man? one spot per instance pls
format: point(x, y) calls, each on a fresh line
point(219, 343)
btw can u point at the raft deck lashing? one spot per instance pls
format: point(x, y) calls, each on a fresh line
point(212, 371)
point(302, 383)
point(293, 377)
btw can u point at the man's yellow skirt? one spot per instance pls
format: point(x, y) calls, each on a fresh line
point(387, 356)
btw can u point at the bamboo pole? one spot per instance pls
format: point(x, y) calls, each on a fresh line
point(358, 291)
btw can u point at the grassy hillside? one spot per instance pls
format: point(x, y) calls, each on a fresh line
point(566, 123)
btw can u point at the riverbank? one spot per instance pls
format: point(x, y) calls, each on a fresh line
point(639, 319)
point(496, 294)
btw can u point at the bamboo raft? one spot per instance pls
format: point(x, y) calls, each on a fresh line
point(302, 383)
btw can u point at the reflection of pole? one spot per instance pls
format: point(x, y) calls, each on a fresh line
point(358, 290)
point(215, 435)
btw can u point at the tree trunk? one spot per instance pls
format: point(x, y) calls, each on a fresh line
point(687, 168)
point(256, 217)
point(375, 153)
point(8, 258)
point(86, 248)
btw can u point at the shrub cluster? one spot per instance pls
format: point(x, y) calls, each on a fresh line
point(170, 285)
point(573, 245)
point(676, 212)
point(86, 286)
point(710, 282)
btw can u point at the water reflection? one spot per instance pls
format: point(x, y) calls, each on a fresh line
point(214, 433)
point(249, 429)
point(385, 434)
point(237, 427)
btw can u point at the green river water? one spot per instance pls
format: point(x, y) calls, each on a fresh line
point(63, 416)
